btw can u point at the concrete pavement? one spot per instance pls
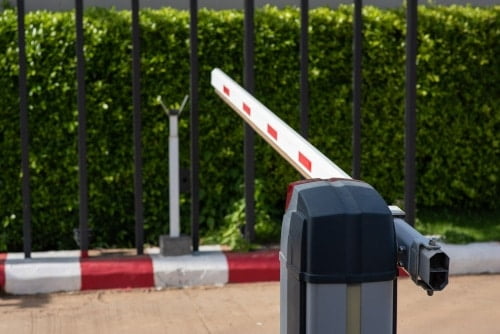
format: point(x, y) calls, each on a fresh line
point(470, 304)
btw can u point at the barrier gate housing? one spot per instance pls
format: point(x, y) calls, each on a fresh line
point(340, 243)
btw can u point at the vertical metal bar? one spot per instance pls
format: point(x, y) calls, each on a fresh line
point(410, 110)
point(356, 91)
point(304, 66)
point(195, 157)
point(24, 129)
point(249, 83)
point(82, 130)
point(136, 98)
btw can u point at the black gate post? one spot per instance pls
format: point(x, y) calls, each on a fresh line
point(82, 130)
point(136, 97)
point(304, 67)
point(357, 80)
point(194, 134)
point(410, 111)
point(249, 83)
point(24, 129)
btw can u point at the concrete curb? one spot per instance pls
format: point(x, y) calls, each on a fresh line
point(57, 271)
point(474, 258)
point(48, 272)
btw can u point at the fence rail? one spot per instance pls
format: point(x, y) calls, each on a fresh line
point(249, 83)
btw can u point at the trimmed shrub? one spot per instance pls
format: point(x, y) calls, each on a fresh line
point(458, 118)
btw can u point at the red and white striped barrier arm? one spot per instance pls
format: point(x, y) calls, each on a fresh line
point(310, 162)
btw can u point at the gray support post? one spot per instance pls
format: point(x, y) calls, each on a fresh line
point(410, 111)
point(194, 153)
point(136, 97)
point(304, 68)
point(173, 173)
point(82, 130)
point(24, 127)
point(249, 160)
point(356, 91)
point(175, 244)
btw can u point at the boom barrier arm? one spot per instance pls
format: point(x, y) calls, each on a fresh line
point(424, 260)
point(306, 158)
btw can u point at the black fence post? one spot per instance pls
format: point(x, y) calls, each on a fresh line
point(410, 111)
point(82, 130)
point(136, 98)
point(356, 90)
point(304, 67)
point(194, 134)
point(249, 83)
point(24, 129)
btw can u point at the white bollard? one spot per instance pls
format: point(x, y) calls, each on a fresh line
point(173, 173)
point(174, 244)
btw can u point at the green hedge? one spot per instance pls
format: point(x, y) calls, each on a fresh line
point(458, 113)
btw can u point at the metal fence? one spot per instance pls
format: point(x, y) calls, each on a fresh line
point(58, 5)
point(249, 83)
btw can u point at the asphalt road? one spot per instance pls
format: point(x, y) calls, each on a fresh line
point(470, 304)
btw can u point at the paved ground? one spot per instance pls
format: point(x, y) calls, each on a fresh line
point(470, 304)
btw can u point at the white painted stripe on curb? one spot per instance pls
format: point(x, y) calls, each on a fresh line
point(474, 258)
point(207, 267)
point(45, 272)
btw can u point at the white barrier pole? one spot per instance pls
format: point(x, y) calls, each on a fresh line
point(308, 160)
point(173, 166)
point(173, 173)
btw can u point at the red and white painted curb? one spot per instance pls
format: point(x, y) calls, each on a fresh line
point(47, 272)
point(58, 271)
point(474, 258)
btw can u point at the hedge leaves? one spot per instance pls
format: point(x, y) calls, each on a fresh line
point(458, 154)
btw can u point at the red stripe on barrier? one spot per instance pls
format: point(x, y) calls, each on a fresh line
point(259, 266)
point(272, 132)
point(117, 273)
point(246, 109)
point(226, 90)
point(3, 257)
point(402, 272)
point(305, 162)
